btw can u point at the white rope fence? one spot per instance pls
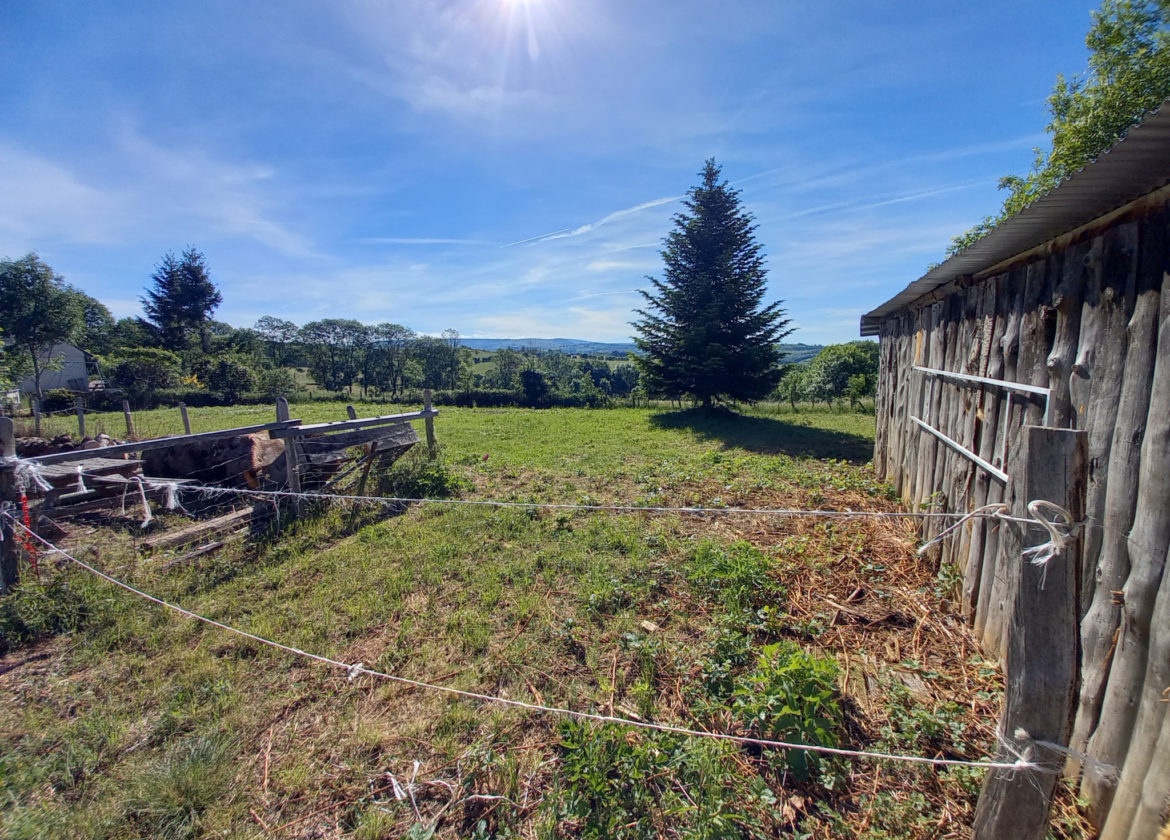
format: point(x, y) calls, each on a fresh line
point(354, 670)
point(209, 491)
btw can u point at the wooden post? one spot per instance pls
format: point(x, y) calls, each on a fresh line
point(129, 419)
point(281, 409)
point(9, 552)
point(186, 419)
point(1042, 633)
point(80, 418)
point(430, 421)
point(351, 412)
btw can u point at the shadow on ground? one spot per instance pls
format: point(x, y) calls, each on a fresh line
point(768, 435)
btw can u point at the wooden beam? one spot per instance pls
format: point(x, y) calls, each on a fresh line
point(160, 443)
point(331, 443)
point(1042, 651)
point(347, 425)
point(199, 530)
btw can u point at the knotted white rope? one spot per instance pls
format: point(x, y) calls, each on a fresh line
point(1059, 533)
point(992, 511)
point(1093, 768)
point(147, 516)
point(81, 488)
point(28, 474)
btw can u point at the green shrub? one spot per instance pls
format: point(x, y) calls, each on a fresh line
point(58, 399)
point(791, 696)
point(622, 784)
point(419, 474)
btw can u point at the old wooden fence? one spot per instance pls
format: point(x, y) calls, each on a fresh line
point(307, 448)
point(1073, 336)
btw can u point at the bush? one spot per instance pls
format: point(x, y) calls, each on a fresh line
point(230, 378)
point(141, 372)
point(420, 475)
point(58, 399)
point(276, 382)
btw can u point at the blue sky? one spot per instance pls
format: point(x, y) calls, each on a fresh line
point(509, 168)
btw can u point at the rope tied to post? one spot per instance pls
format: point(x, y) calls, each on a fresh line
point(1060, 530)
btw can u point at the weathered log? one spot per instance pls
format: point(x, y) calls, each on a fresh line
point(1067, 304)
point(1041, 658)
point(1143, 794)
point(927, 444)
point(1148, 543)
point(1011, 417)
point(233, 461)
point(976, 481)
point(940, 490)
point(1095, 380)
point(918, 391)
point(1153, 810)
point(1116, 491)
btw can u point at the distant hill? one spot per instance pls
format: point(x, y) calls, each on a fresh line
point(794, 353)
point(580, 347)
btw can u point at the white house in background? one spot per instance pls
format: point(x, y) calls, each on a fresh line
point(66, 368)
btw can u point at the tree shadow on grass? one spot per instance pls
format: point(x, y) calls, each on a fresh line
point(769, 436)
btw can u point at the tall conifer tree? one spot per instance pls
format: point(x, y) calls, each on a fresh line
point(705, 332)
point(182, 299)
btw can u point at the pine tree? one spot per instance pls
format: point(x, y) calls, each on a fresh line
point(182, 299)
point(705, 333)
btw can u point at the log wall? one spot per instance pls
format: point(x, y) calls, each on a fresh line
point(1089, 317)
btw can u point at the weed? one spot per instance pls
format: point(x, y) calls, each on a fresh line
point(791, 696)
point(421, 474)
point(168, 798)
point(620, 784)
point(33, 612)
point(737, 576)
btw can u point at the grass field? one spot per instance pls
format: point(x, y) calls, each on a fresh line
point(118, 719)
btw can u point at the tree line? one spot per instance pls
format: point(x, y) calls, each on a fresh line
point(179, 351)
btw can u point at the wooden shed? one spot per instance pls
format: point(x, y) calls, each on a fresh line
point(1059, 318)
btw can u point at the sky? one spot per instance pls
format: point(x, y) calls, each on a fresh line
point(509, 168)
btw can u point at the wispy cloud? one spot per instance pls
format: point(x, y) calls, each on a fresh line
point(420, 240)
point(144, 191)
point(622, 265)
point(604, 220)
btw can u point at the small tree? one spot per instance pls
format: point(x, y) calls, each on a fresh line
point(791, 385)
point(1128, 76)
point(37, 311)
point(832, 372)
point(182, 299)
point(706, 332)
point(229, 378)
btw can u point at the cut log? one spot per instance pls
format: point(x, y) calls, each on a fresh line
point(1096, 377)
point(1143, 792)
point(230, 461)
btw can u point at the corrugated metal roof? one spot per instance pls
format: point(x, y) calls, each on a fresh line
point(1138, 164)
